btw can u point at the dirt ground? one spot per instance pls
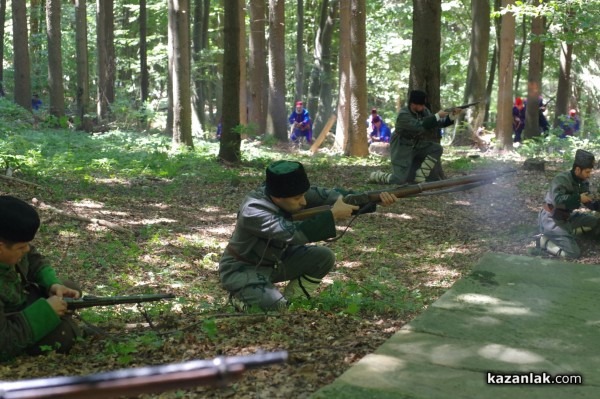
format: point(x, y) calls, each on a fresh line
point(400, 259)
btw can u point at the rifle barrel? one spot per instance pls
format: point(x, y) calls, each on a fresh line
point(90, 301)
point(127, 382)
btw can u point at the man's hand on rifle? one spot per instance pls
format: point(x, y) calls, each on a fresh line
point(387, 198)
point(341, 210)
point(62, 291)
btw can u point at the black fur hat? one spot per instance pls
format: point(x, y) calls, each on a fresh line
point(417, 97)
point(19, 221)
point(584, 159)
point(286, 179)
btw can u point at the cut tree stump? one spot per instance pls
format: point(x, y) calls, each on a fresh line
point(534, 164)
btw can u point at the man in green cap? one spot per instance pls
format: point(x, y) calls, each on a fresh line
point(32, 310)
point(558, 220)
point(268, 247)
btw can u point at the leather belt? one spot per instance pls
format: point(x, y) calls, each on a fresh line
point(548, 207)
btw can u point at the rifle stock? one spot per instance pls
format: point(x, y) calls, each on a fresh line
point(126, 382)
point(91, 301)
point(361, 199)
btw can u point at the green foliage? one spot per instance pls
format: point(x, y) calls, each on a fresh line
point(372, 297)
point(13, 116)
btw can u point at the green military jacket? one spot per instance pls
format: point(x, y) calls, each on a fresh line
point(419, 125)
point(263, 231)
point(21, 325)
point(565, 191)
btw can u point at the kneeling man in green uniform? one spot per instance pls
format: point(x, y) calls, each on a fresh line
point(268, 247)
point(33, 313)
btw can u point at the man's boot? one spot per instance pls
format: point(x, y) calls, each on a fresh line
point(425, 170)
point(380, 177)
point(549, 246)
point(301, 287)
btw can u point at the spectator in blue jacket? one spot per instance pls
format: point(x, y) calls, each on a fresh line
point(381, 132)
point(302, 125)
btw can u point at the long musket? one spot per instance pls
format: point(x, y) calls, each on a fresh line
point(127, 382)
point(362, 199)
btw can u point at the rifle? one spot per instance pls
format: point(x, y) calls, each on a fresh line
point(89, 301)
point(464, 106)
point(127, 382)
point(372, 197)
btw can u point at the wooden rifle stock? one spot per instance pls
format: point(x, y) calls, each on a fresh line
point(127, 382)
point(362, 199)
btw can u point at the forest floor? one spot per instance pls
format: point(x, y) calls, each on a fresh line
point(180, 212)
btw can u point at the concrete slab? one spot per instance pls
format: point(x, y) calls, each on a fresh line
point(514, 315)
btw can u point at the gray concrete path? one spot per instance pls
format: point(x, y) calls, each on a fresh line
point(512, 314)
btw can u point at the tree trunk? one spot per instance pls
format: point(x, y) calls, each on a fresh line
point(425, 54)
point(105, 38)
point(35, 15)
point(317, 68)
point(493, 64)
point(343, 120)
point(299, 73)
point(534, 80)
point(243, 117)
point(476, 75)
point(277, 121)
point(505, 78)
point(179, 28)
point(144, 77)
point(22, 72)
point(326, 79)
point(55, 74)
point(2, 22)
point(257, 104)
point(521, 52)
point(83, 72)
point(357, 142)
point(563, 92)
point(229, 149)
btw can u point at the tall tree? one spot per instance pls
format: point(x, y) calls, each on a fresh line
point(299, 71)
point(563, 92)
point(83, 72)
point(425, 54)
point(277, 119)
point(144, 76)
point(229, 149)
point(55, 69)
point(357, 141)
point(242, 60)
point(476, 70)
point(257, 104)
point(2, 21)
point(343, 106)
point(534, 77)
point(179, 31)
point(200, 44)
point(22, 71)
point(322, 79)
point(106, 62)
point(493, 62)
point(505, 75)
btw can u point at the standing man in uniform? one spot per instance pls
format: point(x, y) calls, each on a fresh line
point(268, 247)
point(558, 220)
point(410, 143)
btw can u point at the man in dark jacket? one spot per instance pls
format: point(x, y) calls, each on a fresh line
point(411, 142)
point(268, 247)
point(558, 220)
